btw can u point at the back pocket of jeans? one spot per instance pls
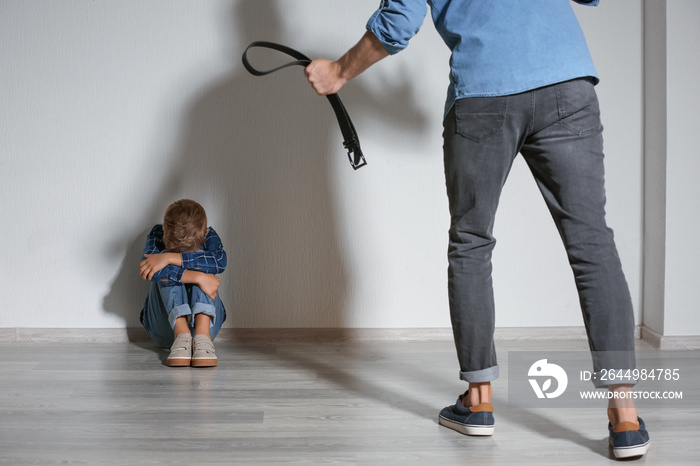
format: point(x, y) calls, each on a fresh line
point(578, 107)
point(583, 122)
point(480, 118)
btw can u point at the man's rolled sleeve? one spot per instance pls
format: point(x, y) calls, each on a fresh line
point(396, 22)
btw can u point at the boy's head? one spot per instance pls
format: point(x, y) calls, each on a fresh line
point(184, 226)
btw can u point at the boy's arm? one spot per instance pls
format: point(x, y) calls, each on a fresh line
point(161, 267)
point(211, 260)
point(154, 241)
point(207, 282)
point(157, 265)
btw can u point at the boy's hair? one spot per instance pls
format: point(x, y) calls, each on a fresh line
point(184, 226)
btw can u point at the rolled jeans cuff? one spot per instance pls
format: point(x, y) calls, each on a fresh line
point(484, 375)
point(207, 309)
point(613, 368)
point(178, 311)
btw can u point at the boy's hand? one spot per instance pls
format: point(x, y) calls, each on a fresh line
point(154, 263)
point(207, 282)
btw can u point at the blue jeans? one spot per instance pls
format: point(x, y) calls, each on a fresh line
point(557, 130)
point(164, 304)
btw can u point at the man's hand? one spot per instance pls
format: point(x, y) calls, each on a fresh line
point(154, 263)
point(324, 76)
point(327, 77)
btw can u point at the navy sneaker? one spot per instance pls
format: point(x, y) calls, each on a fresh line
point(475, 420)
point(628, 439)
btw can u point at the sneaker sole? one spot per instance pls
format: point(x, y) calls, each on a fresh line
point(631, 451)
point(204, 362)
point(466, 429)
point(177, 362)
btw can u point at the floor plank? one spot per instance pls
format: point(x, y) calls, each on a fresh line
point(360, 403)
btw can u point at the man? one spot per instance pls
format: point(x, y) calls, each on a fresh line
point(521, 81)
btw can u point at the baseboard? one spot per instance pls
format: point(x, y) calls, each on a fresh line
point(670, 342)
point(116, 335)
point(70, 335)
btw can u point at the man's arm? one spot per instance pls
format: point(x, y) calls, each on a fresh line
point(388, 31)
point(327, 77)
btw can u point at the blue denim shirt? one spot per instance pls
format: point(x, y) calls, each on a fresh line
point(499, 47)
point(211, 258)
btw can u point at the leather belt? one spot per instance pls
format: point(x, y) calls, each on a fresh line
point(351, 141)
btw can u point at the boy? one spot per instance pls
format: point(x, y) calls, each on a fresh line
point(181, 259)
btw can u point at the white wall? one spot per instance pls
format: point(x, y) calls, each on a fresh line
point(655, 137)
point(682, 221)
point(109, 111)
point(671, 224)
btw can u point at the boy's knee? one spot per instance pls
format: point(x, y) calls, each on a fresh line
point(199, 296)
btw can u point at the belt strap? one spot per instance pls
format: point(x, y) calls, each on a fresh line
point(351, 141)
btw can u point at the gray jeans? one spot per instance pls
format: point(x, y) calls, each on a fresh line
point(557, 130)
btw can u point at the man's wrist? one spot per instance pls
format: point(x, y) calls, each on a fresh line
point(364, 54)
point(343, 74)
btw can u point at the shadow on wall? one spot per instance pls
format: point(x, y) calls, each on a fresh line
point(255, 153)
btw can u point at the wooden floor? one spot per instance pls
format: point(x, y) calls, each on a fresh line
point(365, 403)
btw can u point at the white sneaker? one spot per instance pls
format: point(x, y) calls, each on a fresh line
point(203, 354)
point(181, 351)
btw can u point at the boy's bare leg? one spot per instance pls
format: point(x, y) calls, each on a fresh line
point(181, 326)
point(201, 325)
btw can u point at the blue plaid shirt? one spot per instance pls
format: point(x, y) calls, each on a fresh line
point(211, 258)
